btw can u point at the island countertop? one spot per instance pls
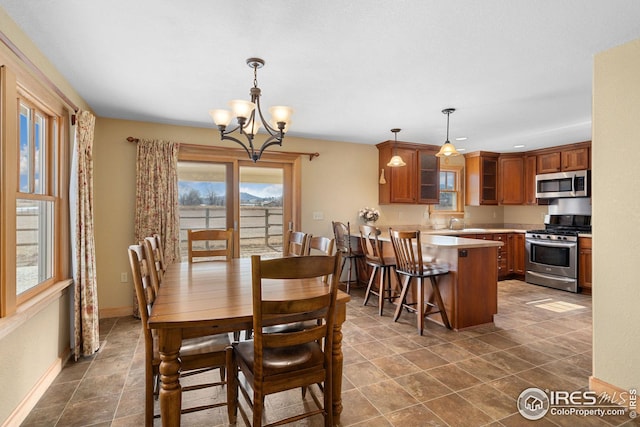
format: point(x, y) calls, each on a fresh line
point(440, 241)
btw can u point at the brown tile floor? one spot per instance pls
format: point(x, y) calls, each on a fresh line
point(392, 376)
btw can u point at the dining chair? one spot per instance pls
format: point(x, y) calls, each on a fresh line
point(275, 362)
point(209, 243)
point(197, 355)
point(381, 265)
point(350, 252)
point(154, 254)
point(320, 245)
point(414, 267)
point(295, 243)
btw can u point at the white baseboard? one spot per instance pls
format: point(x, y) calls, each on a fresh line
point(29, 402)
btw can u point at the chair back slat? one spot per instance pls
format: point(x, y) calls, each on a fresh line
point(200, 244)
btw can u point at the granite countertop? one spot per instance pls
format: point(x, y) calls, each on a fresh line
point(440, 241)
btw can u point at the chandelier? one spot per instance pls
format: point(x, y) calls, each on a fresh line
point(447, 149)
point(249, 122)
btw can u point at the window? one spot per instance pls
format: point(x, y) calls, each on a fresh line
point(450, 194)
point(34, 204)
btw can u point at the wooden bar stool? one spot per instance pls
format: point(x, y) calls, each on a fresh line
point(382, 266)
point(342, 233)
point(411, 264)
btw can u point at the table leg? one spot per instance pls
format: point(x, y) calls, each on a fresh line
point(170, 341)
point(341, 316)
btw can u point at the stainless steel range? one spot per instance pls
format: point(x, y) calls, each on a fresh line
point(552, 253)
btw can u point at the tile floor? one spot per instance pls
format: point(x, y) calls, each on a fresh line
point(392, 377)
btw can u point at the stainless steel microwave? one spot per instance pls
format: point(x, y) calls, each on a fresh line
point(563, 184)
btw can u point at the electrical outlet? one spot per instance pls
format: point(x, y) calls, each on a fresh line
point(123, 277)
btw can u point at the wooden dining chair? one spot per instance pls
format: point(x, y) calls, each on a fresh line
point(295, 243)
point(275, 362)
point(197, 355)
point(320, 245)
point(381, 265)
point(154, 254)
point(349, 251)
point(411, 264)
point(210, 243)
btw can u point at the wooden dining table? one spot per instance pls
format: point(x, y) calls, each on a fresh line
point(216, 295)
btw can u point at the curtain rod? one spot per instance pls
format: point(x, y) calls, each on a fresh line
point(34, 68)
point(311, 155)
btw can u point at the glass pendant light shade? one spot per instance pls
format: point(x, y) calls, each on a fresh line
point(221, 117)
point(447, 150)
point(242, 108)
point(280, 113)
point(252, 127)
point(396, 161)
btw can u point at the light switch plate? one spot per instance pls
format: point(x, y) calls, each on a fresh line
point(318, 216)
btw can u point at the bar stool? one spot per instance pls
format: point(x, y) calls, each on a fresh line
point(342, 233)
point(382, 266)
point(411, 264)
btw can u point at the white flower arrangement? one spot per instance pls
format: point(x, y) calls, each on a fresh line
point(369, 214)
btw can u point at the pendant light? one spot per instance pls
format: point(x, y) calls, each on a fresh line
point(447, 149)
point(396, 161)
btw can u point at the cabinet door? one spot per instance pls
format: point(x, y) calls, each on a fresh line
point(549, 162)
point(585, 265)
point(403, 179)
point(511, 181)
point(575, 159)
point(428, 178)
point(518, 253)
point(530, 180)
point(489, 181)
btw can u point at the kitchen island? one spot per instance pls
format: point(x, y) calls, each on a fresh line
point(469, 291)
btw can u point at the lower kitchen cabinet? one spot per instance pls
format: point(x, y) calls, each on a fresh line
point(584, 265)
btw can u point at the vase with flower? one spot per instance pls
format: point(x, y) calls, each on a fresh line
point(369, 215)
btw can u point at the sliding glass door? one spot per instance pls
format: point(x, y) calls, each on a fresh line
point(254, 200)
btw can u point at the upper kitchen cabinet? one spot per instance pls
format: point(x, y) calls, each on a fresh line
point(511, 179)
point(571, 157)
point(415, 183)
point(481, 178)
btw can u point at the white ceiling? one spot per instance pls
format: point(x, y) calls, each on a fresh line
point(517, 71)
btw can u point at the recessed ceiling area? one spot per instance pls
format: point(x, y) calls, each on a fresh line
point(517, 72)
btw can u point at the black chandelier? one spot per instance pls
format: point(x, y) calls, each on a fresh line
point(249, 122)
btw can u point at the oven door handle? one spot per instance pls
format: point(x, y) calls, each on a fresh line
point(546, 276)
point(551, 244)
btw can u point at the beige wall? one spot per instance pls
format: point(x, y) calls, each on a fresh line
point(616, 215)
